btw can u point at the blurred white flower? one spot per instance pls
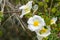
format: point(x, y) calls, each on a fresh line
point(39, 37)
point(0, 1)
point(26, 8)
point(53, 20)
point(36, 22)
point(44, 32)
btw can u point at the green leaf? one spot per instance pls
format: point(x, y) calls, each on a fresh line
point(41, 3)
point(58, 0)
point(28, 15)
point(1, 33)
point(1, 16)
point(45, 6)
point(46, 0)
point(17, 1)
point(54, 10)
point(57, 13)
point(47, 20)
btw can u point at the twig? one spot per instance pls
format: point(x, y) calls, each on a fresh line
point(10, 5)
point(50, 7)
point(24, 26)
point(2, 6)
point(8, 19)
point(12, 12)
point(21, 23)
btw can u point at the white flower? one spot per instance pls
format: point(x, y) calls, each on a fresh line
point(35, 22)
point(44, 32)
point(53, 20)
point(26, 8)
point(0, 1)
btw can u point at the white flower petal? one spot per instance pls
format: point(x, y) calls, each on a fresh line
point(22, 7)
point(26, 8)
point(32, 20)
point(45, 34)
point(54, 20)
point(33, 28)
point(23, 13)
point(21, 16)
point(29, 4)
point(41, 20)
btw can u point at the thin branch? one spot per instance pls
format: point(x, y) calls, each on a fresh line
point(50, 7)
point(10, 5)
point(24, 26)
point(21, 23)
point(8, 19)
point(2, 6)
point(12, 12)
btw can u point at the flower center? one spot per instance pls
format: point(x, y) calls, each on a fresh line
point(52, 21)
point(26, 9)
point(43, 31)
point(36, 23)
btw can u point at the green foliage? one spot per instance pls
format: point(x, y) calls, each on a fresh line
point(54, 10)
point(46, 0)
point(28, 15)
point(1, 16)
point(41, 3)
point(1, 33)
point(17, 1)
point(53, 36)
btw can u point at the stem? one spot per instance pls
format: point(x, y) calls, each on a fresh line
point(10, 5)
point(50, 7)
point(12, 12)
point(21, 23)
point(2, 6)
point(7, 19)
point(24, 26)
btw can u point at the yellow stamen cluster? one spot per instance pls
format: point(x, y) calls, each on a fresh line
point(36, 23)
point(26, 9)
point(51, 21)
point(43, 31)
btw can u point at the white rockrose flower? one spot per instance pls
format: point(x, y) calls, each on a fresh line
point(0, 1)
point(26, 8)
point(36, 22)
point(44, 32)
point(53, 20)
